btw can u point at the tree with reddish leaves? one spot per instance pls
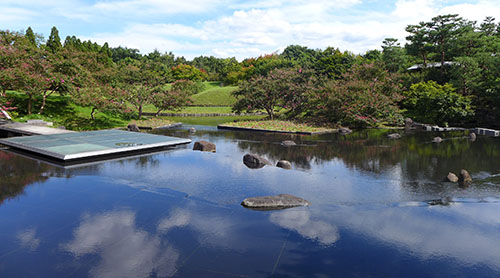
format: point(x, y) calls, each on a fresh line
point(366, 95)
point(103, 98)
point(279, 89)
point(169, 99)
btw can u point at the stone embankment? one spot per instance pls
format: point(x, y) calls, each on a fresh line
point(409, 124)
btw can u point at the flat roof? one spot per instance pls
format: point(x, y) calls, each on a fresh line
point(77, 145)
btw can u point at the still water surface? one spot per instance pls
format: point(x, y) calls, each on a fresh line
point(178, 214)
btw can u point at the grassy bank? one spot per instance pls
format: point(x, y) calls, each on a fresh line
point(278, 126)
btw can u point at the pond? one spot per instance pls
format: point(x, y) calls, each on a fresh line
point(379, 208)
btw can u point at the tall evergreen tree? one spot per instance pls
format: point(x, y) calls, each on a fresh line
point(54, 42)
point(30, 36)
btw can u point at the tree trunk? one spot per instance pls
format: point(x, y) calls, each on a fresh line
point(44, 101)
point(30, 99)
point(92, 113)
point(140, 111)
point(442, 57)
point(43, 104)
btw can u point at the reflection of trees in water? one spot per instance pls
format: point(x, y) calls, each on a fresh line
point(370, 150)
point(16, 172)
point(436, 160)
point(364, 150)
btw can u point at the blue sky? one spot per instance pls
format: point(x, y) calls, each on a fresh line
point(240, 29)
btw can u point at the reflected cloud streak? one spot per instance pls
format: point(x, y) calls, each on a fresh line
point(301, 222)
point(28, 239)
point(125, 250)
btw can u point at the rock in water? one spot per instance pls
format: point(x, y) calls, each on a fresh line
point(133, 127)
point(437, 139)
point(192, 130)
point(254, 161)
point(288, 143)
point(394, 136)
point(274, 202)
point(285, 164)
point(451, 177)
point(472, 136)
point(345, 130)
point(464, 176)
point(408, 123)
point(204, 146)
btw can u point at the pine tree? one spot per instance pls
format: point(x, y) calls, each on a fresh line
point(30, 36)
point(54, 42)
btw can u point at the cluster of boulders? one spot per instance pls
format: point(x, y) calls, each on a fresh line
point(463, 177)
point(254, 161)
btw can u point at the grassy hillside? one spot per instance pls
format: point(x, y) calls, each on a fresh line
point(215, 95)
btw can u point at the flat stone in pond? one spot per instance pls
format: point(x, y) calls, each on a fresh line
point(204, 146)
point(274, 202)
point(344, 130)
point(288, 143)
point(437, 139)
point(394, 136)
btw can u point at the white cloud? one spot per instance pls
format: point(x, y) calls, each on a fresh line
point(243, 29)
point(150, 7)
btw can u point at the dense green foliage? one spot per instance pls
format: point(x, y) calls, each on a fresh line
point(430, 102)
point(448, 71)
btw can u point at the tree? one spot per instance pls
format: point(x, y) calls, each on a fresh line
point(187, 86)
point(393, 56)
point(364, 96)
point(104, 98)
point(443, 31)
point(54, 42)
point(300, 55)
point(187, 72)
point(420, 43)
point(169, 100)
point(281, 88)
point(333, 63)
point(430, 102)
point(30, 36)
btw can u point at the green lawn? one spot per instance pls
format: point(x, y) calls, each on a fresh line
point(62, 112)
point(215, 95)
point(213, 121)
point(275, 125)
point(192, 110)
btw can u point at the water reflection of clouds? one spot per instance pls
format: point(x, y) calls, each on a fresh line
point(428, 231)
point(125, 250)
point(301, 222)
point(28, 239)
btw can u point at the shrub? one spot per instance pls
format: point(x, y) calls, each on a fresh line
point(187, 86)
point(365, 96)
point(429, 102)
point(281, 88)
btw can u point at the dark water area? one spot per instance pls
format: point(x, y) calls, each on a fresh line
point(376, 210)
